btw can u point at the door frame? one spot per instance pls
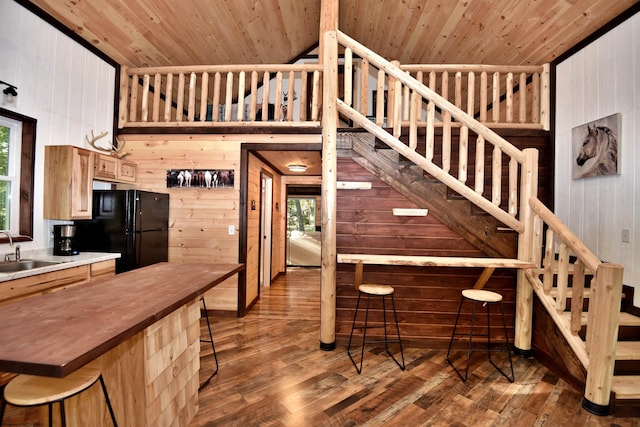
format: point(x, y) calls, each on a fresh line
point(245, 149)
point(266, 229)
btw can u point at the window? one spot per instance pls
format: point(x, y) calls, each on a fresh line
point(10, 143)
point(17, 160)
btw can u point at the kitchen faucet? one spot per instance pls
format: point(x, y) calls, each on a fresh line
point(7, 257)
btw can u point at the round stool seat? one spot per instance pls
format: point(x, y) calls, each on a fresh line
point(481, 295)
point(32, 390)
point(372, 289)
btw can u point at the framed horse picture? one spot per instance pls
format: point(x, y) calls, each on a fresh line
point(595, 148)
point(200, 178)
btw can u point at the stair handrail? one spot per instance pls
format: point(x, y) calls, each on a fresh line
point(603, 315)
point(516, 155)
point(427, 93)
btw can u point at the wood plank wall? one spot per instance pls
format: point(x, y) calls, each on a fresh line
point(520, 138)
point(198, 218)
point(427, 298)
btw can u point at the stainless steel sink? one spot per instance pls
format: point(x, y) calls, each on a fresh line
point(25, 264)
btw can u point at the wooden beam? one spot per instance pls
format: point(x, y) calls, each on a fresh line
point(329, 193)
point(329, 13)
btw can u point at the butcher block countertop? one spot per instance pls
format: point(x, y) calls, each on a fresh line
point(56, 333)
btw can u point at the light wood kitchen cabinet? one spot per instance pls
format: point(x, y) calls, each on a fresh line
point(109, 168)
point(38, 284)
point(68, 181)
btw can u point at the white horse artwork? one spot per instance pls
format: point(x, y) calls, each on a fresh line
point(207, 179)
point(187, 178)
point(180, 178)
point(596, 152)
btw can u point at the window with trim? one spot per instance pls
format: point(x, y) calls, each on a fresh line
point(17, 156)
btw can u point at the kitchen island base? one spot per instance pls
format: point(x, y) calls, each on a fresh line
point(144, 325)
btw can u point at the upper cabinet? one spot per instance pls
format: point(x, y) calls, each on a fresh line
point(109, 168)
point(68, 182)
point(69, 174)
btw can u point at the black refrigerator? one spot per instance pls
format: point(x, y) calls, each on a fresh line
point(132, 222)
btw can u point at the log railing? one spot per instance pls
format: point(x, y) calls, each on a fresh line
point(496, 95)
point(568, 275)
point(289, 95)
point(405, 87)
point(238, 95)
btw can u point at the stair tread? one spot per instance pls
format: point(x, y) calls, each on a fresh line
point(628, 350)
point(626, 386)
point(626, 319)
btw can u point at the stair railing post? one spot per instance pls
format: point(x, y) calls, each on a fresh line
point(604, 305)
point(124, 97)
point(526, 245)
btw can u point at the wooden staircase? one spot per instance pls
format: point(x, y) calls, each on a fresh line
point(580, 293)
point(482, 230)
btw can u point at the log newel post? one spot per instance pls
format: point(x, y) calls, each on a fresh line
point(329, 192)
point(124, 97)
point(604, 305)
point(526, 243)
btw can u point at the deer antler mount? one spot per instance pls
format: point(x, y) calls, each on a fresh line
point(112, 149)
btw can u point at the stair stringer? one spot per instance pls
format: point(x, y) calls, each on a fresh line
point(409, 180)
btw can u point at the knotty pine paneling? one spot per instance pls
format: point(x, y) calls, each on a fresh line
point(427, 298)
point(198, 218)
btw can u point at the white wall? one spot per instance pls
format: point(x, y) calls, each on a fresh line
point(600, 80)
point(62, 85)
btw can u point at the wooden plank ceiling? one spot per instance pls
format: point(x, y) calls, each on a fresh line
point(208, 32)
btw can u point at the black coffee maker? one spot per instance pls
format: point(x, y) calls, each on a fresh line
point(64, 240)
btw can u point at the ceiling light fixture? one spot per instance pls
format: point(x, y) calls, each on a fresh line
point(297, 168)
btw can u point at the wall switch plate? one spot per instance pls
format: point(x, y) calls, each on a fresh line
point(626, 235)
point(232, 230)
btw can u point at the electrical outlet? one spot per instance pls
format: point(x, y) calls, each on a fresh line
point(626, 235)
point(231, 230)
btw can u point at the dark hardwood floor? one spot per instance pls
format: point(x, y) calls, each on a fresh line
point(272, 373)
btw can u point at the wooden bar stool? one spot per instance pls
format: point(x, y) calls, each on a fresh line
point(213, 347)
point(373, 290)
point(486, 298)
point(33, 390)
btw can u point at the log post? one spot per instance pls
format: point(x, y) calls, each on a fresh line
point(545, 97)
point(124, 97)
point(524, 291)
point(604, 306)
point(329, 55)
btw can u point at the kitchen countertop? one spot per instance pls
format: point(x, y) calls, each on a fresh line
point(82, 258)
point(56, 333)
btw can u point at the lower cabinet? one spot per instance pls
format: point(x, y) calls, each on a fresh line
point(38, 284)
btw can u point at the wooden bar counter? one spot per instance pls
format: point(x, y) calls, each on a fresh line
point(144, 324)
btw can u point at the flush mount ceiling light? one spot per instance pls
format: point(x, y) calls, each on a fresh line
point(297, 168)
